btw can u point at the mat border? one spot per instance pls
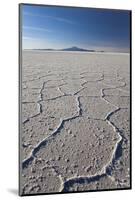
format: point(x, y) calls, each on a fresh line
point(20, 5)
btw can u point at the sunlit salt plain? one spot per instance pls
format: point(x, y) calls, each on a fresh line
point(75, 121)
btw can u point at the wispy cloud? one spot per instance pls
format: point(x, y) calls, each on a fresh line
point(29, 38)
point(60, 19)
point(36, 28)
point(34, 39)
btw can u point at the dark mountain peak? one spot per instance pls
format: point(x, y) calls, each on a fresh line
point(74, 48)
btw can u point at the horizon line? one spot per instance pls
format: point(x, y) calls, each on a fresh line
point(80, 49)
point(87, 51)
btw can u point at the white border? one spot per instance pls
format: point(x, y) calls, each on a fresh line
point(9, 98)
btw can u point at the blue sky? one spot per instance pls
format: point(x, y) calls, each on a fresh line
point(58, 27)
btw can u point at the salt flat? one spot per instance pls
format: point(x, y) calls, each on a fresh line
point(75, 121)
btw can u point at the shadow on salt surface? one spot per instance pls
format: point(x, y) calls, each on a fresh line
point(81, 180)
point(118, 152)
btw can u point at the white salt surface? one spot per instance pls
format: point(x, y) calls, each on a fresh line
point(75, 121)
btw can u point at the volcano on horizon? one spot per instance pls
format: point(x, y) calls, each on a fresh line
point(74, 48)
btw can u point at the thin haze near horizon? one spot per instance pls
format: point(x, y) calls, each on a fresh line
point(45, 27)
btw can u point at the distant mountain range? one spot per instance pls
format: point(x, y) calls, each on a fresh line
point(77, 49)
point(74, 48)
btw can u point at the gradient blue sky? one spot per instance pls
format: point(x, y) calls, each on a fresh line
point(58, 27)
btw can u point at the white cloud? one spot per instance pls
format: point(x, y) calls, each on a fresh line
point(60, 19)
point(29, 38)
point(36, 28)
